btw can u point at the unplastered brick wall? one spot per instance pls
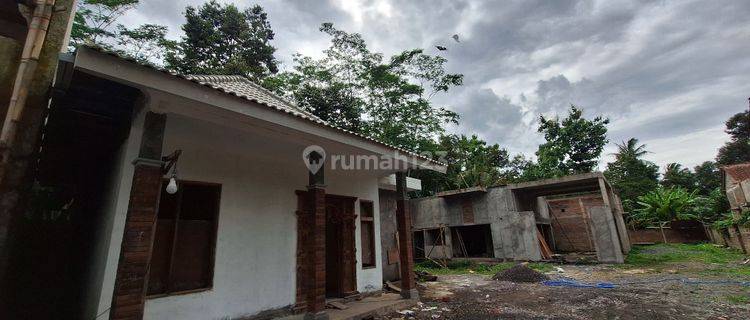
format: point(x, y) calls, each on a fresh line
point(570, 222)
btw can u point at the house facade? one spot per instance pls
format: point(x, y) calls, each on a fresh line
point(248, 228)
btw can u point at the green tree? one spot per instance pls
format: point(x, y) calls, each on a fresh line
point(387, 99)
point(677, 176)
point(711, 207)
point(95, 24)
point(471, 162)
point(94, 21)
point(573, 144)
point(737, 150)
point(664, 205)
point(221, 39)
point(146, 43)
point(630, 174)
point(707, 177)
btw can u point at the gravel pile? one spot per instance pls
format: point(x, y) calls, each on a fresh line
point(520, 273)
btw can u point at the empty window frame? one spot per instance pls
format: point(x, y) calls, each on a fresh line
point(182, 259)
point(367, 233)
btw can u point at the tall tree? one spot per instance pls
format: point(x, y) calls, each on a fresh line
point(707, 177)
point(357, 89)
point(471, 162)
point(630, 174)
point(146, 43)
point(221, 39)
point(677, 176)
point(95, 23)
point(573, 144)
point(737, 150)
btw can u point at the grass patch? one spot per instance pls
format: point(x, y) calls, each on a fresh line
point(718, 261)
point(660, 254)
point(467, 266)
point(737, 299)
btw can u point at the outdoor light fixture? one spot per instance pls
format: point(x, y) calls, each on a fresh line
point(170, 162)
point(172, 186)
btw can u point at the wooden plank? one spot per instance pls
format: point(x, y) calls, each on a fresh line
point(546, 252)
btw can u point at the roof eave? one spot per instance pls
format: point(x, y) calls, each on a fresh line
point(120, 69)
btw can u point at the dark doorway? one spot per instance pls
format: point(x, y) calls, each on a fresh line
point(61, 231)
point(419, 253)
point(340, 246)
point(473, 241)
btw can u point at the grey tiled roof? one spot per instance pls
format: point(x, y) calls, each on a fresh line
point(244, 87)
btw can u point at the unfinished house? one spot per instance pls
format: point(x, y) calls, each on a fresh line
point(246, 230)
point(735, 182)
point(524, 221)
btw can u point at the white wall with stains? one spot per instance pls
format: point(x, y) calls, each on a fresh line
point(255, 264)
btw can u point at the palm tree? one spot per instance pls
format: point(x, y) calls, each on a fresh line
point(677, 176)
point(630, 149)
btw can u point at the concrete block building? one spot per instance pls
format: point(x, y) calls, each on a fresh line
point(579, 213)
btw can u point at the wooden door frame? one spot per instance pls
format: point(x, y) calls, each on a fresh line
point(349, 286)
point(348, 278)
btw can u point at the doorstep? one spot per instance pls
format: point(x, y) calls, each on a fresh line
point(371, 306)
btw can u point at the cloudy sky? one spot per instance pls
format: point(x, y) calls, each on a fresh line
point(666, 72)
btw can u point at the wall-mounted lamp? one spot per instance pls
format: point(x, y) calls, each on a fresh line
point(170, 162)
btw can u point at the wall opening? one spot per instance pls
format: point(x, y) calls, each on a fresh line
point(473, 241)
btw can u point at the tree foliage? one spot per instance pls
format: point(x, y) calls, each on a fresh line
point(573, 145)
point(630, 174)
point(737, 150)
point(677, 176)
point(471, 162)
point(707, 177)
point(664, 205)
point(221, 39)
point(357, 89)
point(711, 207)
point(94, 21)
point(95, 24)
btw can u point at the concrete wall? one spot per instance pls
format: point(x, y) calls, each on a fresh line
point(606, 238)
point(513, 232)
point(255, 266)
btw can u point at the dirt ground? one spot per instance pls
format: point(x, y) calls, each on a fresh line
point(473, 296)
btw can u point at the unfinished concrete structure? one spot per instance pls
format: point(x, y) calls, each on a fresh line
point(578, 213)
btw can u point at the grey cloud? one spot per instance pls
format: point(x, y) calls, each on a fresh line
point(658, 69)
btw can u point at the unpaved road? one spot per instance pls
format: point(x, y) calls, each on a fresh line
point(478, 297)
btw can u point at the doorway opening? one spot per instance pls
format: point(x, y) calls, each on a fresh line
point(473, 241)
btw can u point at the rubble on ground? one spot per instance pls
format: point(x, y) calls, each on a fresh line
point(520, 273)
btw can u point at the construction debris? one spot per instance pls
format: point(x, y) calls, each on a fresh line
point(520, 273)
point(423, 276)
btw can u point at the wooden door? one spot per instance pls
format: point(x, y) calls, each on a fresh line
point(340, 246)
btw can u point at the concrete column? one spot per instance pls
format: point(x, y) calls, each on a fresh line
point(403, 220)
point(131, 280)
point(316, 282)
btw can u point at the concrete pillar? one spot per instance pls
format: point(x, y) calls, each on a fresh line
point(403, 219)
point(316, 280)
point(131, 280)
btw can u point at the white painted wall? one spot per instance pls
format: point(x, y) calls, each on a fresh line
point(255, 265)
